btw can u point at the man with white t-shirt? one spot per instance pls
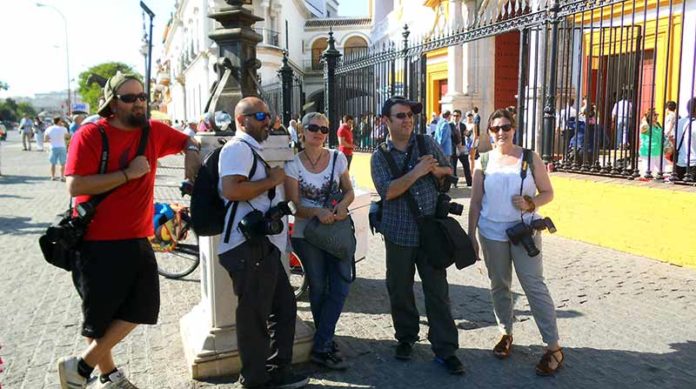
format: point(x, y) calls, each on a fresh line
point(621, 117)
point(57, 135)
point(266, 308)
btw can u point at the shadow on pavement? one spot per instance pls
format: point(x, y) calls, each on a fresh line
point(10, 179)
point(20, 225)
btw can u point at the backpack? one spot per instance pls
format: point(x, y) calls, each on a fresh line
point(208, 209)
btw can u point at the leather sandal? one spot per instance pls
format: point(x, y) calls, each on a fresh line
point(543, 368)
point(503, 349)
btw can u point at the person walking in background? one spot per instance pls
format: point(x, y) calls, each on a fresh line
point(651, 145)
point(364, 130)
point(314, 178)
point(686, 143)
point(432, 126)
point(57, 136)
point(277, 127)
point(670, 120)
point(77, 122)
point(443, 134)
point(507, 189)
point(345, 138)
point(26, 128)
point(621, 118)
point(39, 128)
point(465, 132)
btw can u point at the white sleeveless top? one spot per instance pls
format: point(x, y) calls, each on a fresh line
point(500, 184)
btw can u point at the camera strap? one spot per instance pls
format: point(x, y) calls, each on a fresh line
point(527, 161)
point(333, 167)
point(142, 145)
point(410, 200)
point(235, 204)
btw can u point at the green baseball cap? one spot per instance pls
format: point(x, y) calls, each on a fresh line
point(110, 89)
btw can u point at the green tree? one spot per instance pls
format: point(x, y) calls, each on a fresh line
point(90, 80)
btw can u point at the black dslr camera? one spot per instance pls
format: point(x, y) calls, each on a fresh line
point(445, 206)
point(522, 233)
point(256, 224)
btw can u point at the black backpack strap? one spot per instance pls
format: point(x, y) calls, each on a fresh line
point(235, 204)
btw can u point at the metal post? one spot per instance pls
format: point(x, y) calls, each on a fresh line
point(522, 85)
point(550, 107)
point(286, 79)
point(148, 63)
point(331, 57)
point(404, 74)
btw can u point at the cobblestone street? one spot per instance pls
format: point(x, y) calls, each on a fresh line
point(625, 321)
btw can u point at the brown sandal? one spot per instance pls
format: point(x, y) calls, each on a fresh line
point(543, 368)
point(503, 349)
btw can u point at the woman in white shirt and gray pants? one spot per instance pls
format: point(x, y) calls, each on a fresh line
point(502, 200)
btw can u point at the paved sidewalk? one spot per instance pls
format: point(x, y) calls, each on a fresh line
point(625, 321)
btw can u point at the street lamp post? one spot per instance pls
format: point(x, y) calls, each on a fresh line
point(67, 51)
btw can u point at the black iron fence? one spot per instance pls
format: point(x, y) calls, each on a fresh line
point(591, 76)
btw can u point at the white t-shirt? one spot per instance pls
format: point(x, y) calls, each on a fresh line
point(236, 159)
point(688, 145)
point(314, 186)
point(565, 115)
point(56, 134)
point(500, 184)
point(622, 110)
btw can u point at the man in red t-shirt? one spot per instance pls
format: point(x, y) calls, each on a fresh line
point(116, 273)
point(345, 138)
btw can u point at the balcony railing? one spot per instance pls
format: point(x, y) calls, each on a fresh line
point(270, 37)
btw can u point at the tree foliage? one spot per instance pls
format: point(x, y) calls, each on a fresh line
point(12, 111)
point(91, 81)
point(4, 86)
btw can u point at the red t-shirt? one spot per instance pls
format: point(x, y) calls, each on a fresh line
point(345, 132)
point(127, 212)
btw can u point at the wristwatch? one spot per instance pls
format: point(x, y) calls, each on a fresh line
point(193, 148)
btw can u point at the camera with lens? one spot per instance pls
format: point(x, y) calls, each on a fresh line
point(445, 206)
point(70, 230)
point(257, 224)
point(522, 233)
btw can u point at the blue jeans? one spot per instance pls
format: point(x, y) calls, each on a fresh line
point(329, 283)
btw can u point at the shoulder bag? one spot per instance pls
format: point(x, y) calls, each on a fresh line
point(337, 238)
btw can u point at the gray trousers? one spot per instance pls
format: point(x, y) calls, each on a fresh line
point(499, 257)
point(402, 262)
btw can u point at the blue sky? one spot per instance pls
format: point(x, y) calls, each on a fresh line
point(33, 38)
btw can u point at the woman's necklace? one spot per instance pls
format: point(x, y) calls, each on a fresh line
point(314, 163)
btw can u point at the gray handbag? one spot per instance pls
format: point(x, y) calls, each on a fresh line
point(338, 238)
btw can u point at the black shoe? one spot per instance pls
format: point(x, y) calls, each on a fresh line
point(288, 380)
point(452, 364)
point(329, 359)
point(403, 351)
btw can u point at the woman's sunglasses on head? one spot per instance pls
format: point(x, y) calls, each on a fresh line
point(259, 116)
point(131, 97)
point(314, 128)
point(504, 127)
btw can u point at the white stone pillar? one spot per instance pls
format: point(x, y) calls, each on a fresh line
point(208, 331)
point(456, 63)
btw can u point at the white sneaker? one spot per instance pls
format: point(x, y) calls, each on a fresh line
point(69, 377)
point(117, 380)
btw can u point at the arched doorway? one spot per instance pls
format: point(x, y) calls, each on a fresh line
point(318, 47)
point(355, 45)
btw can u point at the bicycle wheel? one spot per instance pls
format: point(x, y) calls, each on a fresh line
point(298, 281)
point(181, 261)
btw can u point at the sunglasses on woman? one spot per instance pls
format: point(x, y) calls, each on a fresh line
point(504, 127)
point(131, 97)
point(314, 128)
point(259, 116)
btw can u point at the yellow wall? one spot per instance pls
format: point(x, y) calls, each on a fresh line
point(652, 222)
point(655, 37)
point(435, 72)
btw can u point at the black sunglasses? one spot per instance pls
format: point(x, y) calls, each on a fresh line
point(131, 97)
point(403, 115)
point(314, 128)
point(504, 127)
point(259, 116)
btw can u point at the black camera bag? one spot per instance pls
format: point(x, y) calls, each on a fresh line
point(60, 244)
point(443, 239)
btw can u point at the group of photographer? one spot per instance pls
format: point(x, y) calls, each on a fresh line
point(509, 184)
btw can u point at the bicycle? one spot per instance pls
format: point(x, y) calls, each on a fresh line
point(177, 251)
point(176, 245)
